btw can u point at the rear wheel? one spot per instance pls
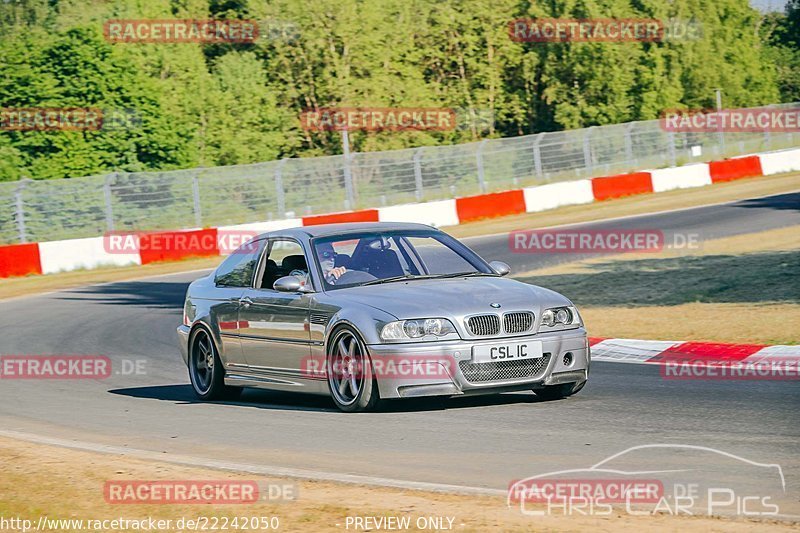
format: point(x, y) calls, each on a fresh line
point(205, 369)
point(557, 392)
point(351, 381)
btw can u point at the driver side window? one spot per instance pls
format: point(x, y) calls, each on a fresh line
point(240, 266)
point(284, 257)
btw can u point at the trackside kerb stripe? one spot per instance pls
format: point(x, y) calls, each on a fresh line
point(693, 351)
point(663, 352)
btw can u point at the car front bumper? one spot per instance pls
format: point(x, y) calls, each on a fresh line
point(446, 368)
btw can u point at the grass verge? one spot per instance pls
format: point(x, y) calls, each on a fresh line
point(735, 289)
point(38, 480)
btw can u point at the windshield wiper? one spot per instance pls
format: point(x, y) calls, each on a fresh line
point(466, 275)
point(398, 278)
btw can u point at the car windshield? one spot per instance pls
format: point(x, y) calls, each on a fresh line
point(385, 257)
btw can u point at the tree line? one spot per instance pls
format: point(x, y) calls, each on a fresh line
point(183, 105)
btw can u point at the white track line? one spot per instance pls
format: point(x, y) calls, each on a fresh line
point(263, 470)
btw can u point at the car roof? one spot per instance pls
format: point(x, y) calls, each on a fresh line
point(326, 230)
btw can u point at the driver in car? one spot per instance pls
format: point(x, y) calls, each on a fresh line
point(327, 261)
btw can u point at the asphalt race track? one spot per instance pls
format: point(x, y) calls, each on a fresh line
point(477, 442)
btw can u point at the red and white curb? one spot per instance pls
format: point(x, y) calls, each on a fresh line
point(776, 361)
point(60, 256)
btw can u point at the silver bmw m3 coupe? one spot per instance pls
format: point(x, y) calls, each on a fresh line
point(366, 312)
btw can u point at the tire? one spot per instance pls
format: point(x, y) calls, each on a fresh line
point(205, 369)
point(558, 392)
point(351, 380)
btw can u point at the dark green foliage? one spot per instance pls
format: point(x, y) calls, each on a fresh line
point(225, 104)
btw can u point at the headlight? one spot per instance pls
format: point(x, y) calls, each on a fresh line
point(560, 318)
point(404, 330)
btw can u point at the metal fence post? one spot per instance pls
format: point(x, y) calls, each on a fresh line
point(587, 149)
point(418, 173)
point(281, 194)
point(20, 210)
point(198, 213)
point(107, 197)
point(479, 161)
point(537, 154)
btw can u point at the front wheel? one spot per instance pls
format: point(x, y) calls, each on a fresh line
point(558, 392)
point(351, 381)
point(205, 369)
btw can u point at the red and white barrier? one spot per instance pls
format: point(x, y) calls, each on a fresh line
point(665, 179)
point(779, 162)
point(74, 254)
point(552, 195)
point(58, 256)
point(439, 213)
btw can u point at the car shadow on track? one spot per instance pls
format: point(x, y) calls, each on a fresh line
point(146, 294)
point(275, 400)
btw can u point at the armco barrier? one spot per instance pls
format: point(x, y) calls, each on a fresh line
point(50, 257)
point(623, 185)
point(734, 169)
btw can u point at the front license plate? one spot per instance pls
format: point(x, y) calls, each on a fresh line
point(510, 351)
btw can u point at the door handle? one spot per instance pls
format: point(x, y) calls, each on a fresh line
point(245, 302)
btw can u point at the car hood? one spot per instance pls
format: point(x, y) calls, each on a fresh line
point(453, 297)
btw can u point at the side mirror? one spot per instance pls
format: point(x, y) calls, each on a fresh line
point(290, 284)
point(500, 267)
